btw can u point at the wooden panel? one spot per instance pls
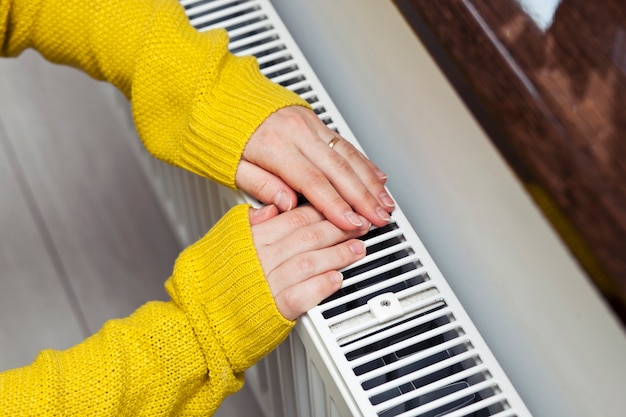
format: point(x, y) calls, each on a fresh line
point(35, 311)
point(550, 90)
point(110, 232)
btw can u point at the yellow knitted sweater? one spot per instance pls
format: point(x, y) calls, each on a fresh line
point(195, 106)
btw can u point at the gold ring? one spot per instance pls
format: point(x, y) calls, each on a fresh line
point(333, 141)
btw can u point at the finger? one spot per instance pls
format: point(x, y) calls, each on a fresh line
point(347, 181)
point(260, 215)
point(298, 299)
point(272, 231)
point(304, 241)
point(327, 135)
point(265, 186)
point(315, 185)
point(301, 267)
point(372, 178)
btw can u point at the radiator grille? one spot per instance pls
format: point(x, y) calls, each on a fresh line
point(394, 340)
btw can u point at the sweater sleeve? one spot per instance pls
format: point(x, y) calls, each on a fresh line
point(195, 105)
point(169, 358)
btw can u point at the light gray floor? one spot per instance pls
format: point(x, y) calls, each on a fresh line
point(82, 236)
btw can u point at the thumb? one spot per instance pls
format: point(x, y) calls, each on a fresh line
point(265, 186)
point(260, 215)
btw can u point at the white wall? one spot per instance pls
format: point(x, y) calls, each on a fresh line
point(554, 336)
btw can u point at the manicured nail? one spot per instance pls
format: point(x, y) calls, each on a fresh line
point(383, 214)
point(357, 247)
point(381, 175)
point(336, 277)
point(386, 199)
point(353, 218)
point(282, 201)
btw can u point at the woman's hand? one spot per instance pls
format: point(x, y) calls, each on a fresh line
point(289, 153)
point(301, 252)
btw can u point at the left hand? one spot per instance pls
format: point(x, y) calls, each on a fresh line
point(289, 153)
point(301, 253)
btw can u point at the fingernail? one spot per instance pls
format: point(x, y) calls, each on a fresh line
point(353, 218)
point(336, 277)
point(260, 211)
point(386, 199)
point(383, 214)
point(357, 247)
point(366, 223)
point(381, 175)
point(282, 201)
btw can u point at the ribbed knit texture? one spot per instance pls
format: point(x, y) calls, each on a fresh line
point(195, 105)
point(168, 358)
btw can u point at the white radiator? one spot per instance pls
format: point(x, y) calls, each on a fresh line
point(394, 341)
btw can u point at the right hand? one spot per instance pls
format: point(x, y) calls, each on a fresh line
point(301, 252)
point(289, 154)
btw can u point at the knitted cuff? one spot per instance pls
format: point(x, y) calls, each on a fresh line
point(225, 113)
point(220, 284)
point(195, 104)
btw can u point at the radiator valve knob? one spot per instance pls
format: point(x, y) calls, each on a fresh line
point(385, 307)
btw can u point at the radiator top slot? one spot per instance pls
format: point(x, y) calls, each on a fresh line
point(206, 23)
point(253, 32)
